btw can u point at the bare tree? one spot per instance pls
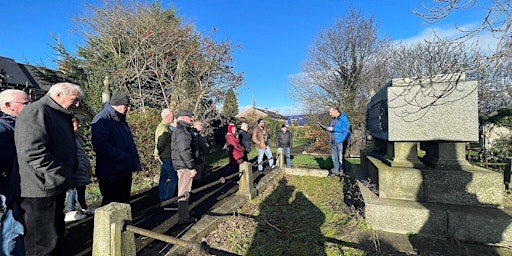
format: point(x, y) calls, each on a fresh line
point(497, 21)
point(495, 69)
point(344, 65)
point(149, 53)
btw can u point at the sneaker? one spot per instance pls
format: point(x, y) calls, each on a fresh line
point(74, 216)
point(331, 175)
point(89, 211)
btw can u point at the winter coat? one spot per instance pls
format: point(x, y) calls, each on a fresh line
point(7, 151)
point(112, 140)
point(184, 147)
point(235, 149)
point(340, 129)
point(82, 172)
point(163, 141)
point(45, 144)
point(259, 137)
point(245, 139)
point(284, 139)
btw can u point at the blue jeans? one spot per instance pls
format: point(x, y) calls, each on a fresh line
point(11, 227)
point(286, 152)
point(265, 151)
point(71, 200)
point(167, 172)
point(337, 158)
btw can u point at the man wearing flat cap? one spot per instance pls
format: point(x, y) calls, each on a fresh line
point(116, 154)
point(184, 159)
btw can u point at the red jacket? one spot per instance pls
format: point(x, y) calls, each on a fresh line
point(235, 149)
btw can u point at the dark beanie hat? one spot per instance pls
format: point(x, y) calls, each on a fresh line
point(259, 121)
point(119, 99)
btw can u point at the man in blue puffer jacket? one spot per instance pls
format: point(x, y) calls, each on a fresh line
point(338, 134)
point(116, 154)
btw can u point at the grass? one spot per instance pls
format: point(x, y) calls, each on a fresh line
point(298, 216)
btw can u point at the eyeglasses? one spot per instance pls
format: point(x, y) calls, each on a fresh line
point(22, 102)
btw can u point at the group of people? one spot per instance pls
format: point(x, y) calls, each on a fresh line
point(180, 149)
point(239, 144)
point(43, 157)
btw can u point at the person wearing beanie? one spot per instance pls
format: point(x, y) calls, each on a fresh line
point(260, 138)
point(245, 139)
point(235, 149)
point(285, 141)
point(184, 152)
point(116, 154)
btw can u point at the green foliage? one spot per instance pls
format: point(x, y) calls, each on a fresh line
point(143, 123)
point(230, 107)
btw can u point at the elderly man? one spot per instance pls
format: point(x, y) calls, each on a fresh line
point(168, 176)
point(45, 144)
point(116, 154)
point(12, 103)
point(184, 154)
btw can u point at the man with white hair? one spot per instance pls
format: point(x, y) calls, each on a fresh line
point(168, 176)
point(45, 144)
point(12, 103)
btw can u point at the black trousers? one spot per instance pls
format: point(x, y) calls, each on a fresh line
point(116, 189)
point(44, 223)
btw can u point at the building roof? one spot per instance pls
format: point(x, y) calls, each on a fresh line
point(261, 112)
point(14, 74)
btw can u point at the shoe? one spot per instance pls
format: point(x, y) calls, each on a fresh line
point(331, 175)
point(89, 211)
point(74, 216)
point(170, 207)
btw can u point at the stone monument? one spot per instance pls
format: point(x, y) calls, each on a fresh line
point(418, 163)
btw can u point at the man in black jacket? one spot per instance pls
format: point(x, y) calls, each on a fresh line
point(184, 158)
point(245, 139)
point(285, 141)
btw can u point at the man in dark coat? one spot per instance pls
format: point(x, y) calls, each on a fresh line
point(285, 141)
point(45, 145)
point(12, 103)
point(184, 154)
point(116, 155)
point(245, 139)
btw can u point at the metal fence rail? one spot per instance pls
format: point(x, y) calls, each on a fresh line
point(114, 234)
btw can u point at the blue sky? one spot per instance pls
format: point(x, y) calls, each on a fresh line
point(274, 34)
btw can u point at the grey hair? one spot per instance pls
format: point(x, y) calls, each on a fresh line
point(244, 125)
point(165, 112)
point(65, 88)
point(8, 95)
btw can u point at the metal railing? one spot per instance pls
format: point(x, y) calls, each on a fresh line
point(121, 232)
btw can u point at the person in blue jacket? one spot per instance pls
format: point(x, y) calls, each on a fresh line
point(338, 134)
point(116, 155)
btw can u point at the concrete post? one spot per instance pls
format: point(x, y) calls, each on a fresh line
point(507, 173)
point(246, 184)
point(280, 158)
point(108, 237)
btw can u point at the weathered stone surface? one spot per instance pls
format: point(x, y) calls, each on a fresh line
point(103, 243)
point(469, 186)
point(464, 223)
point(442, 109)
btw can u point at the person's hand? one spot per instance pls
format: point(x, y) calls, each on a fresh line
point(193, 173)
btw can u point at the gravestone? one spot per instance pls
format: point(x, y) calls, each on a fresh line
point(418, 161)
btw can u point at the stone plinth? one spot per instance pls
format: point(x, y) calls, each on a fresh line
point(465, 223)
point(472, 185)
